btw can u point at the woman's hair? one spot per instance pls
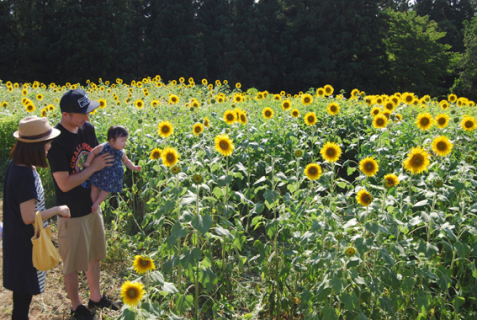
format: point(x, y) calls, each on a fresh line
point(115, 132)
point(29, 154)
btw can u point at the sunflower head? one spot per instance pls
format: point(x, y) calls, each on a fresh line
point(143, 264)
point(206, 122)
point(380, 121)
point(295, 113)
point(364, 198)
point(170, 157)
point(173, 99)
point(198, 128)
point(197, 179)
point(369, 166)
point(242, 117)
point(132, 292)
point(331, 152)
point(224, 145)
point(452, 98)
point(469, 159)
point(417, 160)
point(350, 251)
point(267, 113)
point(175, 169)
point(375, 111)
point(313, 171)
point(286, 105)
point(424, 121)
point(298, 153)
point(389, 105)
point(468, 123)
point(155, 154)
point(442, 120)
point(306, 99)
point(310, 118)
point(391, 180)
point(328, 90)
point(333, 108)
point(30, 107)
point(442, 146)
point(165, 129)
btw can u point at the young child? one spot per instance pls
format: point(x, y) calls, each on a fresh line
point(109, 179)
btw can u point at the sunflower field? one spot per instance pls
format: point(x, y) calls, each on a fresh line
point(258, 205)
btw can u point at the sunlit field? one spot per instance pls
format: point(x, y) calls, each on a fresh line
point(259, 205)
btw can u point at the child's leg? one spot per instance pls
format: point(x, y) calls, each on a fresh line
point(102, 196)
point(94, 193)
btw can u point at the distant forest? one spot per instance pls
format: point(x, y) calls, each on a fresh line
point(423, 46)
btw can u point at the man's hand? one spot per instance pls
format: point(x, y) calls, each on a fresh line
point(104, 160)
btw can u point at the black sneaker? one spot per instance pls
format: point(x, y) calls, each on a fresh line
point(105, 302)
point(81, 313)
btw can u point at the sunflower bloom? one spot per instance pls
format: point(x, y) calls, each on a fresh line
point(442, 120)
point(198, 128)
point(391, 180)
point(442, 146)
point(306, 99)
point(139, 104)
point(452, 98)
point(397, 117)
point(165, 129)
point(242, 117)
point(229, 117)
point(267, 113)
point(468, 123)
point(424, 121)
point(350, 251)
point(310, 118)
point(333, 108)
point(224, 145)
point(313, 171)
point(169, 157)
point(375, 111)
point(30, 108)
point(286, 105)
point(132, 292)
point(102, 103)
point(364, 198)
point(295, 113)
point(143, 264)
point(328, 90)
point(331, 152)
point(444, 104)
point(369, 166)
point(417, 160)
point(173, 99)
point(155, 154)
point(206, 122)
point(380, 121)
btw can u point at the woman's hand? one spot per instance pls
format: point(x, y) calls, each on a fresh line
point(64, 211)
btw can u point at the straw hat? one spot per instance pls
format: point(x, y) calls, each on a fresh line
point(34, 129)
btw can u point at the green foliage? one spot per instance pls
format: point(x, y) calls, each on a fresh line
point(8, 125)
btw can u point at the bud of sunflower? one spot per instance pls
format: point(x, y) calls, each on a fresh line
point(212, 101)
point(139, 121)
point(339, 236)
point(153, 118)
point(55, 115)
point(452, 112)
point(438, 183)
point(227, 130)
point(233, 106)
point(298, 153)
point(472, 153)
point(456, 119)
point(175, 169)
point(350, 251)
point(326, 202)
point(197, 179)
point(469, 159)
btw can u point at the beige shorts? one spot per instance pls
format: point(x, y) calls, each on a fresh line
point(80, 241)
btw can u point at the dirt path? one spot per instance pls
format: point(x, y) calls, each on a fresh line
point(53, 303)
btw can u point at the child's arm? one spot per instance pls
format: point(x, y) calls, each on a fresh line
point(96, 150)
point(128, 163)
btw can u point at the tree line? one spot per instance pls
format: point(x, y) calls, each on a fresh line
point(379, 46)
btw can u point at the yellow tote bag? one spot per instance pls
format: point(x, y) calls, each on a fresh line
point(45, 255)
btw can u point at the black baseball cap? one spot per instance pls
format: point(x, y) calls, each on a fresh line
point(77, 101)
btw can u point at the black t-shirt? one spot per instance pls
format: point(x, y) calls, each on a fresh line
point(68, 153)
point(19, 275)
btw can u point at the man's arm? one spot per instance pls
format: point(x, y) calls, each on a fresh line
point(67, 182)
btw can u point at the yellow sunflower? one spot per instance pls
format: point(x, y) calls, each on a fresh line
point(267, 113)
point(198, 128)
point(44, 112)
point(143, 264)
point(132, 292)
point(238, 98)
point(468, 123)
point(30, 108)
point(306, 99)
point(39, 97)
point(155, 154)
point(417, 160)
point(310, 118)
point(155, 103)
point(333, 108)
point(369, 166)
point(364, 198)
point(229, 117)
point(407, 97)
point(295, 113)
point(442, 120)
point(139, 104)
point(165, 129)
point(173, 99)
point(331, 152)
point(286, 105)
point(424, 121)
point(328, 90)
point(452, 98)
point(102, 103)
point(313, 171)
point(389, 105)
point(442, 146)
point(320, 92)
point(242, 117)
point(224, 145)
point(398, 117)
point(206, 122)
point(169, 157)
point(391, 180)
point(444, 104)
point(380, 121)
point(375, 111)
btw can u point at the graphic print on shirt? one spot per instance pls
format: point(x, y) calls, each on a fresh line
point(78, 159)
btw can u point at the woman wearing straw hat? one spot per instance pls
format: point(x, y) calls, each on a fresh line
point(22, 197)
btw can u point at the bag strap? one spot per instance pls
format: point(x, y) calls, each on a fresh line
point(38, 223)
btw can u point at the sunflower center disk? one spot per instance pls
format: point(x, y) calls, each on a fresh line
point(424, 121)
point(313, 171)
point(418, 159)
point(442, 146)
point(144, 263)
point(132, 293)
point(380, 122)
point(330, 152)
point(369, 167)
point(442, 121)
point(468, 124)
point(165, 129)
point(267, 113)
point(224, 145)
point(170, 157)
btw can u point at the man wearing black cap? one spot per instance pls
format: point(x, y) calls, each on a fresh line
point(81, 240)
